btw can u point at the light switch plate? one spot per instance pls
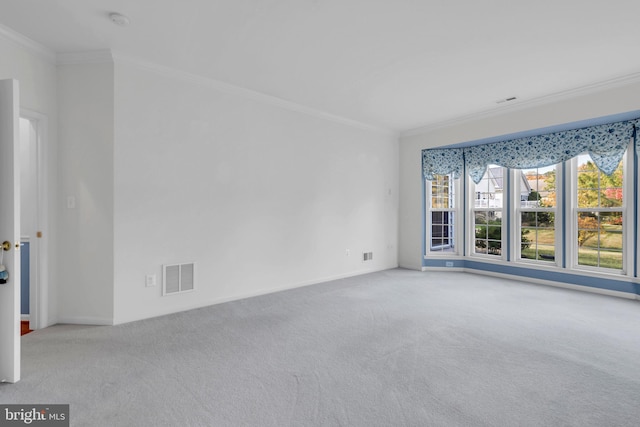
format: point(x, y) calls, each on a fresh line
point(150, 280)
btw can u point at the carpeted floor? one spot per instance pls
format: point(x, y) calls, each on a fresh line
point(397, 348)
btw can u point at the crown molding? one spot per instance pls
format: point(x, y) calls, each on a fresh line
point(231, 89)
point(25, 42)
point(526, 104)
point(89, 57)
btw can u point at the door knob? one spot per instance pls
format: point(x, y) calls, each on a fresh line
point(6, 245)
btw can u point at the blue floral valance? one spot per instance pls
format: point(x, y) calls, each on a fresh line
point(606, 144)
point(442, 162)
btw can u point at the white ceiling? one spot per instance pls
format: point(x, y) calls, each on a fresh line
point(395, 64)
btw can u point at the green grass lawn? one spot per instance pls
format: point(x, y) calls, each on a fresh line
point(610, 247)
point(546, 236)
point(612, 228)
point(607, 240)
point(607, 259)
point(544, 254)
point(610, 237)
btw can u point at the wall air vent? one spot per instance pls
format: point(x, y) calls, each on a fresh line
point(367, 256)
point(178, 278)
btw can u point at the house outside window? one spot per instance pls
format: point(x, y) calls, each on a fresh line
point(487, 213)
point(536, 214)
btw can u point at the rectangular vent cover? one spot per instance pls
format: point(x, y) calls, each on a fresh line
point(178, 278)
point(367, 256)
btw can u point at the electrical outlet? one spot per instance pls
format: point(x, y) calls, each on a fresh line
point(448, 264)
point(150, 280)
point(348, 252)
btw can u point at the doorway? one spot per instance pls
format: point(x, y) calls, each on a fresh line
point(33, 297)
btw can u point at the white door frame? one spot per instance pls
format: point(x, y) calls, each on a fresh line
point(39, 285)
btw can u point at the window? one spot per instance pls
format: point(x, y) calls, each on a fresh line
point(487, 212)
point(536, 213)
point(513, 205)
point(442, 217)
point(599, 216)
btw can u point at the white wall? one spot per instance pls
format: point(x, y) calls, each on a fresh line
point(260, 197)
point(85, 94)
point(616, 100)
point(36, 73)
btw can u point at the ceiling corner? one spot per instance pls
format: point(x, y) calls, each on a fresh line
point(31, 45)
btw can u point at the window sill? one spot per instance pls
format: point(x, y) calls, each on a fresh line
point(438, 255)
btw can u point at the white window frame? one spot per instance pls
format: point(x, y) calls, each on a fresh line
point(516, 219)
point(627, 215)
point(458, 226)
point(471, 219)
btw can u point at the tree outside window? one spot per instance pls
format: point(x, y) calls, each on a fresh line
point(599, 215)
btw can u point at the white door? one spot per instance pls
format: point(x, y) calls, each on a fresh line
point(10, 231)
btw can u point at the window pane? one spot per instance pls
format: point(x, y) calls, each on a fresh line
point(588, 198)
point(611, 232)
point(495, 232)
point(528, 219)
point(546, 219)
point(537, 236)
point(604, 259)
point(495, 247)
point(538, 187)
point(489, 191)
point(442, 219)
point(585, 164)
point(595, 189)
point(488, 223)
point(437, 217)
point(546, 246)
point(488, 233)
point(442, 194)
point(600, 239)
point(442, 226)
point(600, 233)
point(611, 197)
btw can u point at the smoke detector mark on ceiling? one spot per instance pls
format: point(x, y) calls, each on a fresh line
point(119, 19)
point(511, 98)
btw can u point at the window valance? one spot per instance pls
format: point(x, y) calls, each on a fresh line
point(606, 144)
point(442, 161)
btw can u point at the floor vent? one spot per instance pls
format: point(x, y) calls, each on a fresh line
point(178, 278)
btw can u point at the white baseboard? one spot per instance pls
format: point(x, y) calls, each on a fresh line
point(93, 321)
point(457, 269)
